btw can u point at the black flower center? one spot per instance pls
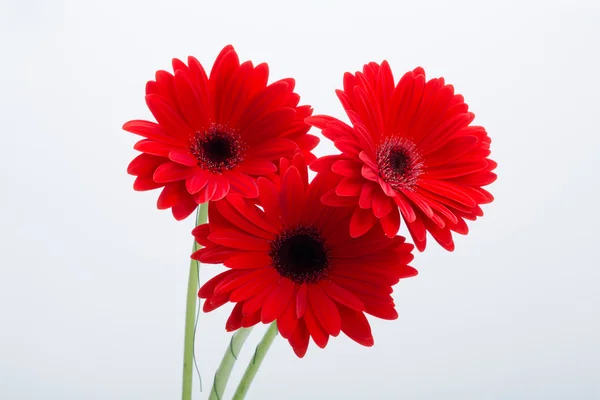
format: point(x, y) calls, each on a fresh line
point(217, 149)
point(300, 254)
point(399, 162)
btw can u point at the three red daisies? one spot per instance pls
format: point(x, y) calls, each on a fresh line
point(315, 255)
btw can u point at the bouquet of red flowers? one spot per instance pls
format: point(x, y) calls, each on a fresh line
point(310, 257)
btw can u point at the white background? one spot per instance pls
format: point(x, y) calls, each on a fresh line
point(93, 277)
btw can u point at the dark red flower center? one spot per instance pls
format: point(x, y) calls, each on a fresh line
point(217, 149)
point(399, 162)
point(300, 254)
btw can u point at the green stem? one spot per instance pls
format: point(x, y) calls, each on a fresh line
point(190, 313)
point(229, 358)
point(259, 355)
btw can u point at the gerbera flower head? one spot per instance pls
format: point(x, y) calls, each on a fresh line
point(411, 151)
point(215, 134)
point(292, 260)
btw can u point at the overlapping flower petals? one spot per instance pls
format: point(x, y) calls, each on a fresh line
point(431, 125)
point(234, 100)
point(358, 279)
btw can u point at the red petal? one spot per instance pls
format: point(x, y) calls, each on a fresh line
point(370, 174)
point(369, 243)
point(215, 302)
point(292, 197)
point(421, 202)
point(144, 164)
point(382, 204)
point(250, 320)
point(382, 311)
point(197, 181)
point(448, 190)
point(347, 168)
point(324, 163)
point(273, 149)
point(220, 75)
point(348, 146)
point(269, 198)
point(391, 223)
point(307, 142)
point(301, 300)
point(387, 188)
point(241, 279)
point(154, 148)
point(255, 287)
point(238, 240)
point(239, 221)
point(269, 126)
point(461, 167)
point(219, 186)
point(254, 304)
point(170, 195)
point(214, 255)
point(206, 193)
point(299, 340)
point(325, 310)
point(234, 322)
point(278, 301)
point(184, 207)
point(480, 178)
point(208, 288)
point(152, 131)
point(266, 100)
point(315, 329)
point(405, 208)
point(240, 90)
point(242, 184)
point(362, 221)
point(257, 167)
point(287, 322)
point(349, 187)
point(341, 295)
point(452, 150)
point(332, 199)
point(201, 233)
point(319, 121)
point(249, 260)
point(167, 116)
point(200, 82)
point(356, 326)
point(418, 233)
point(183, 158)
point(196, 113)
point(366, 195)
point(367, 159)
point(170, 172)
point(251, 213)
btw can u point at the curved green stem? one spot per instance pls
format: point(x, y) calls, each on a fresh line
point(229, 359)
point(259, 355)
point(190, 313)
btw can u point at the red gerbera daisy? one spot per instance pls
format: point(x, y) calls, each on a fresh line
point(215, 134)
point(411, 148)
point(292, 260)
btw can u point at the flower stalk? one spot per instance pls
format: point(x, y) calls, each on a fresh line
point(259, 355)
point(190, 312)
point(229, 358)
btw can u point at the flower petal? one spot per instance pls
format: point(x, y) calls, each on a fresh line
point(238, 240)
point(362, 221)
point(325, 310)
point(278, 301)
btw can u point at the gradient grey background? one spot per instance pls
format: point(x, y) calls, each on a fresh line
point(93, 277)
